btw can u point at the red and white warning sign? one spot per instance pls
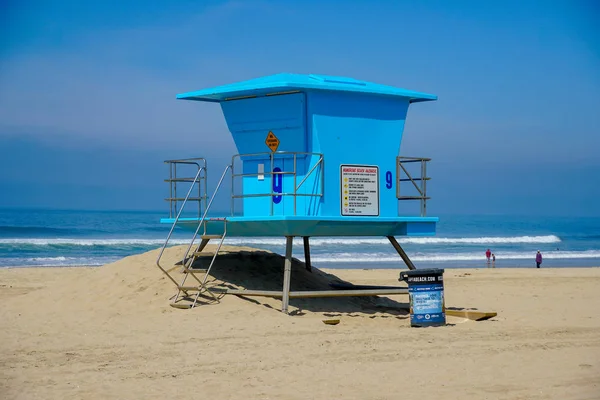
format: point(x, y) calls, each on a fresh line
point(359, 190)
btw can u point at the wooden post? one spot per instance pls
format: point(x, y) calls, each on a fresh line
point(287, 272)
point(401, 252)
point(307, 254)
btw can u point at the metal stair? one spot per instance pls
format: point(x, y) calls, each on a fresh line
point(200, 275)
point(187, 296)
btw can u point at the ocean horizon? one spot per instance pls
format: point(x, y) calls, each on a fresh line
point(44, 237)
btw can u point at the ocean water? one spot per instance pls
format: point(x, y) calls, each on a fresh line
point(93, 238)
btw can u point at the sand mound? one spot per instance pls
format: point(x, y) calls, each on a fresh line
point(135, 283)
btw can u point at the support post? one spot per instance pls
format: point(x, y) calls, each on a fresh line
point(401, 252)
point(287, 272)
point(307, 264)
point(202, 245)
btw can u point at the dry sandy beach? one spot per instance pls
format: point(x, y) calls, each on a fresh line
point(109, 333)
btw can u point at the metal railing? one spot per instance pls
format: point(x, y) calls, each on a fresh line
point(272, 156)
point(199, 180)
point(202, 222)
point(174, 180)
point(422, 178)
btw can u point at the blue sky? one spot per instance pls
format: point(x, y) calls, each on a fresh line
point(88, 109)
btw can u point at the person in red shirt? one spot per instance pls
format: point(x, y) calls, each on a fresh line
point(488, 254)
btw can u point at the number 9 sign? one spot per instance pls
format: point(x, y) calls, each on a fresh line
point(388, 179)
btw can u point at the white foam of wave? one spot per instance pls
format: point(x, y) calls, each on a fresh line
point(54, 261)
point(387, 257)
point(267, 241)
point(45, 259)
point(93, 242)
point(484, 240)
point(354, 258)
point(412, 240)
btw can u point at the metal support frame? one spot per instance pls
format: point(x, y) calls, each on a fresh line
point(422, 188)
point(287, 274)
point(307, 263)
point(401, 252)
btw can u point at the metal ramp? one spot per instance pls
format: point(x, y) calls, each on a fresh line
point(187, 296)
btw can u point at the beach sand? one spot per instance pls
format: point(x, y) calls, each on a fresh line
point(109, 333)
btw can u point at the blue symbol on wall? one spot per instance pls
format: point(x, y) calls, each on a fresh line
point(277, 185)
point(388, 179)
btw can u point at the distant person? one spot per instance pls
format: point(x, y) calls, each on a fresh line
point(488, 254)
point(538, 259)
point(493, 260)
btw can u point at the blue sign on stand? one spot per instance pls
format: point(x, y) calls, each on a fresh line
point(426, 293)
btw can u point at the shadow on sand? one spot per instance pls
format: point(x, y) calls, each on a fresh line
point(261, 270)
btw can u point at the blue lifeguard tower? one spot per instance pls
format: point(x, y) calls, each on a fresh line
point(317, 156)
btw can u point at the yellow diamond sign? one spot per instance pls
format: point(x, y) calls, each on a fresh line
point(272, 141)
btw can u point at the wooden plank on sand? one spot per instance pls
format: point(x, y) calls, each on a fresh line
point(317, 293)
point(470, 314)
point(184, 306)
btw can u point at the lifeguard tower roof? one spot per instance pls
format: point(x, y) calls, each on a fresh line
point(285, 82)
